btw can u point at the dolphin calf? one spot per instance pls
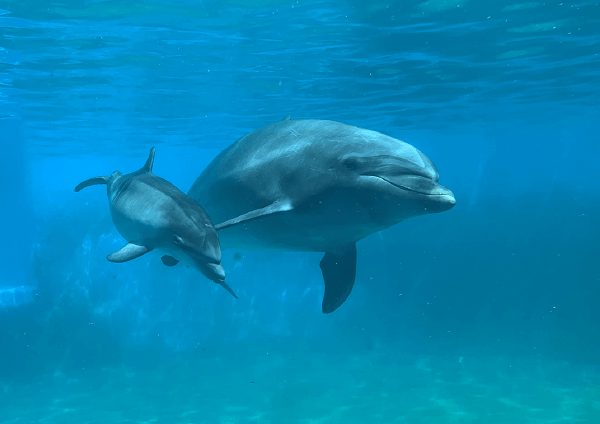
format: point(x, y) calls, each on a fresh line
point(316, 185)
point(151, 213)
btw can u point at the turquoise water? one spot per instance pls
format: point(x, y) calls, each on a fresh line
point(487, 313)
point(260, 385)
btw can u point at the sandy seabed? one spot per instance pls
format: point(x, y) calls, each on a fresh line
point(258, 386)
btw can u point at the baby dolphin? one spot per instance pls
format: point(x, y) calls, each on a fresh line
point(151, 213)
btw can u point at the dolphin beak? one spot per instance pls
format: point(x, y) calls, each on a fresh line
point(216, 273)
point(416, 183)
point(444, 199)
point(440, 198)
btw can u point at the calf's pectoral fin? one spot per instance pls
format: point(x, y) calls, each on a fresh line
point(129, 252)
point(339, 273)
point(169, 260)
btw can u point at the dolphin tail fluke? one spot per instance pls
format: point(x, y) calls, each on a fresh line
point(339, 273)
point(91, 182)
point(149, 162)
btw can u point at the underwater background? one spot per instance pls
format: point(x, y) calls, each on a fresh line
point(487, 313)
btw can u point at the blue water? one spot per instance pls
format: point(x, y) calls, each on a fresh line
point(487, 313)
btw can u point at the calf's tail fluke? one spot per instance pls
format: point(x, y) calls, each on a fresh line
point(91, 182)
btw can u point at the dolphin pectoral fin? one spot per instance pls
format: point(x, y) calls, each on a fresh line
point(169, 260)
point(339, 272)
point(129, 252)
point(277, 206)
point(91, 182)
point(226, 287)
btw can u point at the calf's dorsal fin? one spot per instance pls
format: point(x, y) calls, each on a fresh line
point(149, 162)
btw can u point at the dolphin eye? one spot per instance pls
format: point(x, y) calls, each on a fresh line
point(177, 240)
point(351, 163)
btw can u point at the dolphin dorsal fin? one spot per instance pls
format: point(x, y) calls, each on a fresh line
point(150, 162)
point(287, 118)
point(91, 182)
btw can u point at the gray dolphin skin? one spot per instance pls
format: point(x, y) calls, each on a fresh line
point(316, 185)
point(151, 213)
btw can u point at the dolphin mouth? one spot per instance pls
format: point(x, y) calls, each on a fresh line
point(216, 273)
point(421, 185)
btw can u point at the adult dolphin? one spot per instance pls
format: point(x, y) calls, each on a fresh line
point(316, 185)
point(151, 213)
